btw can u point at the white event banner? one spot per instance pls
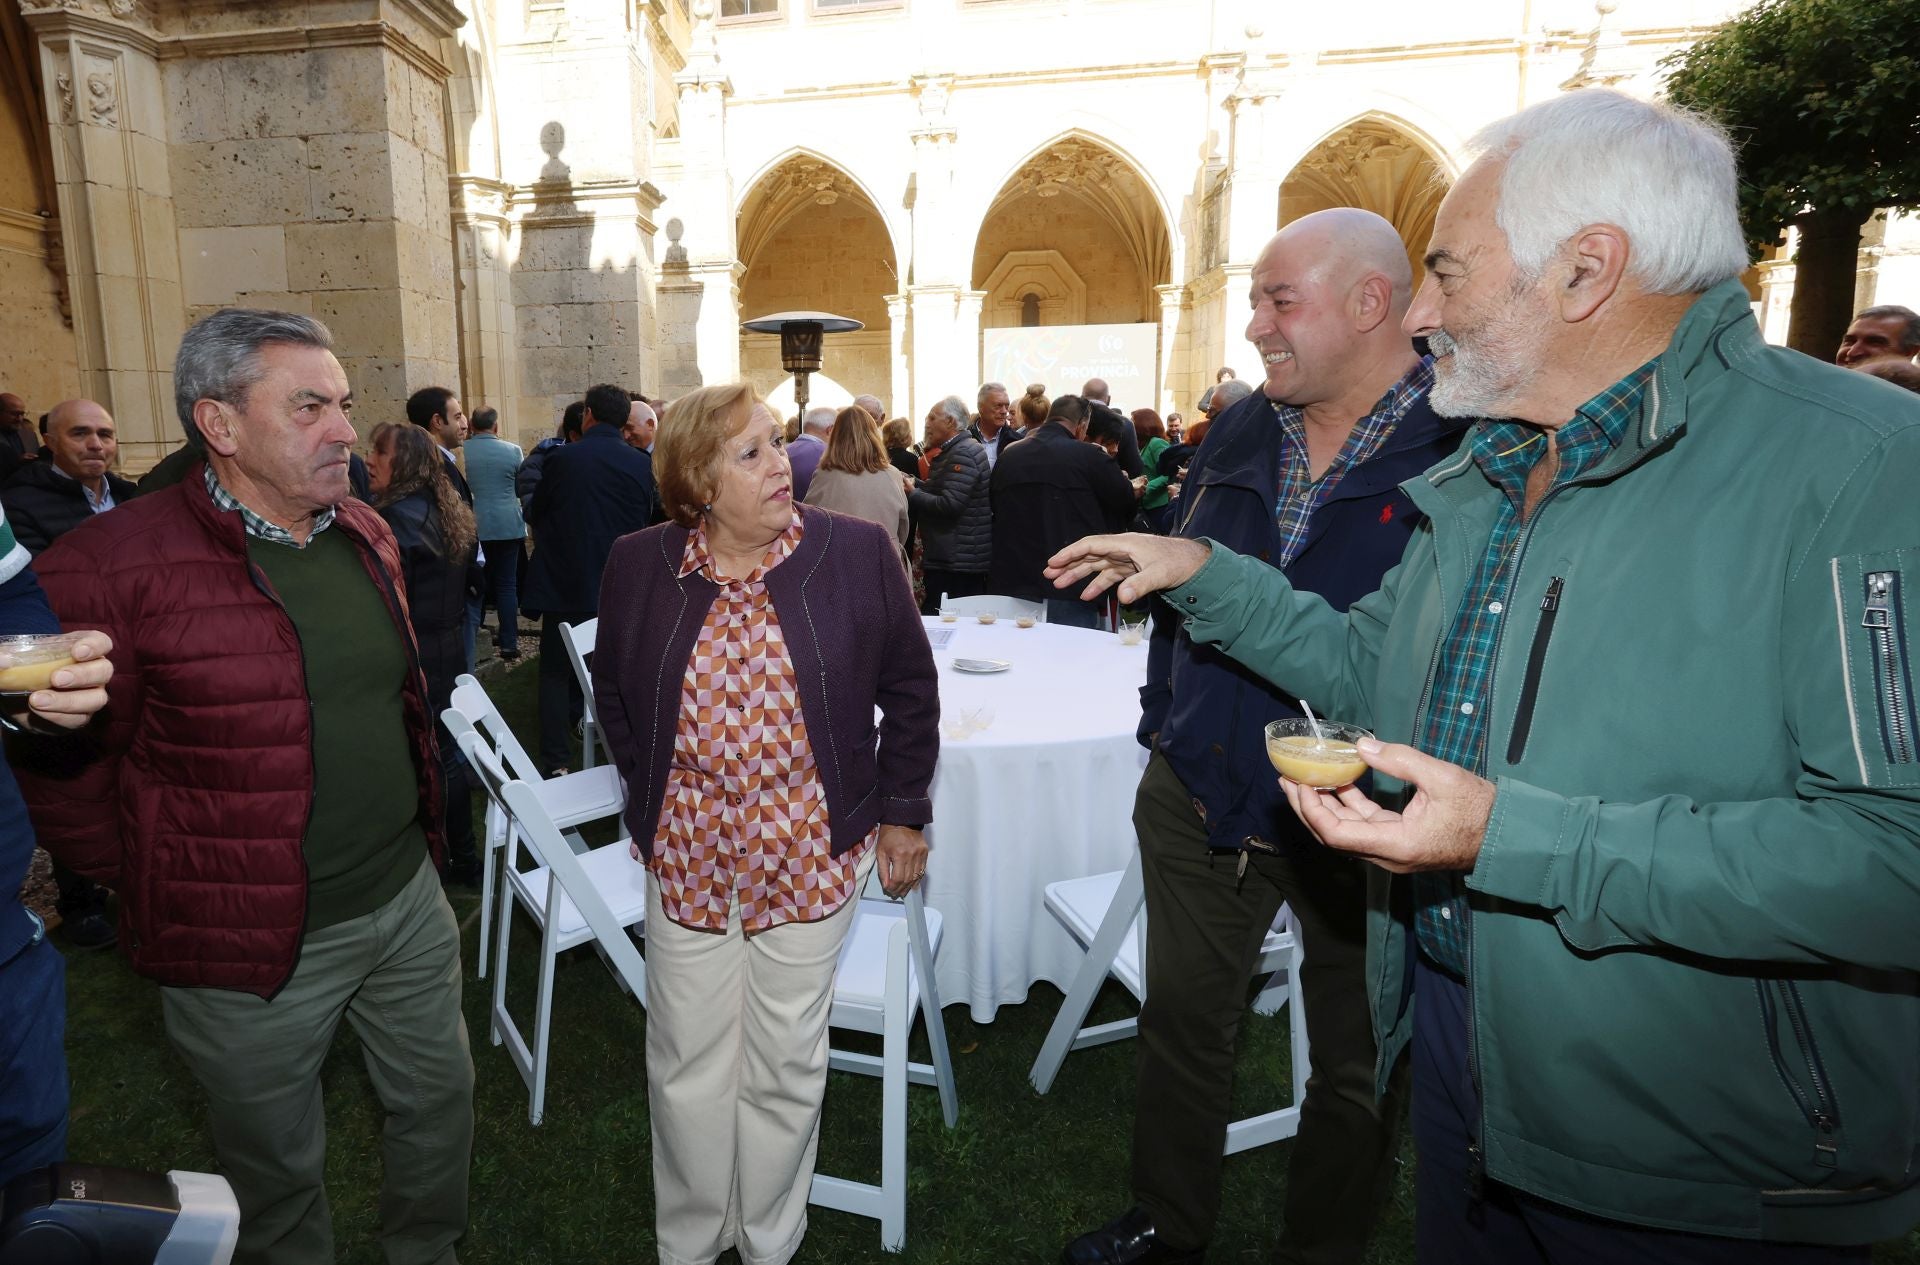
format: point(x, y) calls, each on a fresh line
point(1065, 356)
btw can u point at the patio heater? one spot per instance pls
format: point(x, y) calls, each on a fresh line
point(801, 334)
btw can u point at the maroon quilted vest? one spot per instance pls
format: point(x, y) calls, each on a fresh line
point(193, 797)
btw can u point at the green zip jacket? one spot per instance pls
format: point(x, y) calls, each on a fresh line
point(1696, 911)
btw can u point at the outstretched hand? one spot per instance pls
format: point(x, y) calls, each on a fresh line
point(1140, 564)
point(1441, 828)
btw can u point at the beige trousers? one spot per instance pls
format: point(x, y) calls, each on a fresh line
point(736, 1070)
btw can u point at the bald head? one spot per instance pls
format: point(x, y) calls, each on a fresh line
point(1349, 245)
point(80, 437)
point(1096, 390)
point(640, 425)
point(1328, 294)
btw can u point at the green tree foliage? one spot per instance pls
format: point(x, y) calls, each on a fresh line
point(1823, 98)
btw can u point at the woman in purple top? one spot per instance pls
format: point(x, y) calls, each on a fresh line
point(743, 650)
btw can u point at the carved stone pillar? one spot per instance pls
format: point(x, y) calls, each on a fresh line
point(700, 297)
point(901, 379)
point(931, 313)
point(1175, 375)
point(107, 115)
point(489, 361)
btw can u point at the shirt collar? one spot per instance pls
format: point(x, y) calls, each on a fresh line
point(1505, 451)
point(698, 555)
point(98, 504)
point(258, 527)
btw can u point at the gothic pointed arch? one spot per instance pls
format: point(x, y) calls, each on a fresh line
point(1376, 162)
point(1078, 228)
point(812, 237)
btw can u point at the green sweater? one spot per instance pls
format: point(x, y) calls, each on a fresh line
point(363, 839)
point(1694, 972)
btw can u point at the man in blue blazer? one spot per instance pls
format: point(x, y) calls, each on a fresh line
point(491, 465)
point(591, 493)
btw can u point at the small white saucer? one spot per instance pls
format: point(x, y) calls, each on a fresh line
point(980, 667)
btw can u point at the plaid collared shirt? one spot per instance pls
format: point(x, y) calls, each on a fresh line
point(1456, 719)
point(257, 526)
point(1300, 494)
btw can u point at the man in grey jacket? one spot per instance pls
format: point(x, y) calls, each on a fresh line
point(953, 508)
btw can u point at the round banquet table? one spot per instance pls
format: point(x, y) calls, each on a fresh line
point(1044, 792)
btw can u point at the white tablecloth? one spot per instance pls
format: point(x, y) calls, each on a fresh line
point(1044, 793)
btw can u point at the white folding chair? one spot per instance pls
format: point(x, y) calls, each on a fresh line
point(573, 900)
point(578, 639)
point(884, 977)
point(1106, 912)
point(1006, 607)
point(571, 801)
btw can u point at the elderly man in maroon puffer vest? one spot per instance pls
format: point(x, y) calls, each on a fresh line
point(263, 792)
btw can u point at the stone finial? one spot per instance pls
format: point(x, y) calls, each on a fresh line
point(1605, 61)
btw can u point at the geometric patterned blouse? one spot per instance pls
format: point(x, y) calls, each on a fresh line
point(745, 817)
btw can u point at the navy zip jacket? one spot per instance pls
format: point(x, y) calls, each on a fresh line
point(1206, 714)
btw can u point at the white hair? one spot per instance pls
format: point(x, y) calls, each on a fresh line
point(1663, 174)
point(818, 421)
point(956, 410)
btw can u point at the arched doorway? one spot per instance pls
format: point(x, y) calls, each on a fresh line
point(1376, 164)
point(811, 239)
point(1075, 237)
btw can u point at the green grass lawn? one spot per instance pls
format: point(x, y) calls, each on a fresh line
point(1019, 1175)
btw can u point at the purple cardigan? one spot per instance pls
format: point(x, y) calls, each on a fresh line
point(856, 642)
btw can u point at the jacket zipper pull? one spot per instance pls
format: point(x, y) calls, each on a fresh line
point(1879, 612)
point(1476, 1174)
point(1551, 602)
point(1826, 1148)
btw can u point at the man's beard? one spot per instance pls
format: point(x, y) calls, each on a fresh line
point(1498, 359)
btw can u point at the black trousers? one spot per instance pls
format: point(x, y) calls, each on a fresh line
point(1508, 1227)
point(951, 583)
point(1205, 923)
point(560, 698)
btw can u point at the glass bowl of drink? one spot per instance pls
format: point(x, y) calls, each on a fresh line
point(986, 617)
point(29, 660)
point(1325, 759)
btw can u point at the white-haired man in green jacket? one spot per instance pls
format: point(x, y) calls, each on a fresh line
point(1646, 802)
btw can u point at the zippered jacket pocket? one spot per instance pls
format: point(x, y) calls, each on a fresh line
point(1536, 664)
point(1875, 597)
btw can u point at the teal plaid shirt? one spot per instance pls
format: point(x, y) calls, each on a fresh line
point(1456, 719)
point(257, 526)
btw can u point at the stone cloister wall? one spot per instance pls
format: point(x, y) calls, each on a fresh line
point(471, 191)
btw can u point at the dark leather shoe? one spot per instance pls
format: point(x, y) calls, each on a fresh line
point(1128, 1239)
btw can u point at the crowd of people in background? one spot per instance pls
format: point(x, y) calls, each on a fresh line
point(279, 610)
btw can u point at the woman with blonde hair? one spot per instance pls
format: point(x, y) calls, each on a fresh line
point(743, 648)
point(437, 537)
point(855, 477)
point(1033, 408)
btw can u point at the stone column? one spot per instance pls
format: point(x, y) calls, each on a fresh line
point(700, 299)
point(941, 265)
point(1175, 374)
point(489, 361)
point(310, 173)
point(107, 115)
point(931, 311)
point(966, 342)
point(901, 380)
